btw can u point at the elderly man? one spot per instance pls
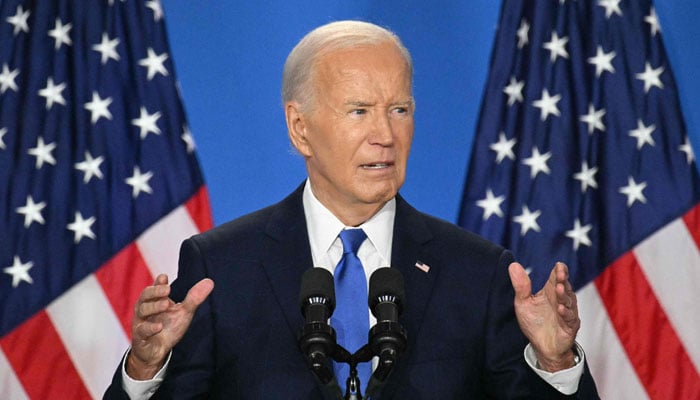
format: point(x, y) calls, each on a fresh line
point(469, 311)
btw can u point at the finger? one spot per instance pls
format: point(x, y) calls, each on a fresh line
point(161, 279)
point(145, 310)
point(154, 293)
point(197, 294)
point(568, 315)
point(520, 281)
point(145, 330)
point(561, 272)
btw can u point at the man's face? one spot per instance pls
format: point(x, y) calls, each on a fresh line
point(357, 135)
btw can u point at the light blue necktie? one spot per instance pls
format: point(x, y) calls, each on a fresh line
point(351, 317)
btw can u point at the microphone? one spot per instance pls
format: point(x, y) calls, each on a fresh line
point(317, 339)
point(387, 338)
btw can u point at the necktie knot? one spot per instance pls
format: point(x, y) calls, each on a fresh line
point(352, 240)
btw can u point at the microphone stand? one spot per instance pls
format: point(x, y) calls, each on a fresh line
point(320, 336)
point(353, 388)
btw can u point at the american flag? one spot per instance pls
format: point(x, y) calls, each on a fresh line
point(582, 155)
point(99, 183)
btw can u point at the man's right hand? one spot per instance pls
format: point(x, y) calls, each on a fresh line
point(159, 323)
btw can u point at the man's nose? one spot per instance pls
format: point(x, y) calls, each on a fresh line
point(382, 132)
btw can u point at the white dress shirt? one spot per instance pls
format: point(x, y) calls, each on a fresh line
point(374, 253)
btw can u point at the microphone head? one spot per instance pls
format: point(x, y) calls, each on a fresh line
point(386, 284)
point(317, 288)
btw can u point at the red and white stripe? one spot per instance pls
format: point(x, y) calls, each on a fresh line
point(71, 349)
point(640, 321)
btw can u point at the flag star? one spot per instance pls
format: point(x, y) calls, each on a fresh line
point(19, 20)
point(7, 79)
point(3, 132)
point(587, 177)
point(60, 34)
point(633, 191)
point(19, 272)
point(154, 63)
point(653, 20)
point(91, 167)
point(52, 93)
point(157, 9)
point(31, 212)
point(188, 138)
point(651, 77)
point(547, 104)
point(523, 32)
point(503, 148)
point(602, 61)
point(98, 107)
point(107, 48)
point(81, 227)
point(594, 119)
point(685, 147)
point(42, 152)
point(139, 182)
point(556, 47)
point(147, 122)
point(491, 204)
point(580, 234)
point(538, 162)
point(527, 220)
point(514, 90)
point(611, 6)
point(643, 134)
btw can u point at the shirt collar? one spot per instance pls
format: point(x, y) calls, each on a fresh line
point(324, 227)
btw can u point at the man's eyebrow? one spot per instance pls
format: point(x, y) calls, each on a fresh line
point(406, 102)
point(358, 103)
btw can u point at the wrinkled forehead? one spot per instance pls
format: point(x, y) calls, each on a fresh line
point(363, 63)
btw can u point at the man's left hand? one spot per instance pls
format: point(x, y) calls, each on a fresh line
point(549, 318)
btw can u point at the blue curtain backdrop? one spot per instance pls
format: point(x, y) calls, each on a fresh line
point(229, 54)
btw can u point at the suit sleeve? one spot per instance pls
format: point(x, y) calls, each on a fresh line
point(192, 364)
point(507, 374)
point(191, 367)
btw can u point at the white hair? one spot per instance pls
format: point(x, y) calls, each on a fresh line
point(299, 67)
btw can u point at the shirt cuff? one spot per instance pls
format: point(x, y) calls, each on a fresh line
point(565, 381)
point(142, 390)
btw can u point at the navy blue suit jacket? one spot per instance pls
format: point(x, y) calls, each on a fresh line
point(463, 339)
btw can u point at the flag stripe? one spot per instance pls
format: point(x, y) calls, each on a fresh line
point(123, 289)
point(612, 366)
point(10, 388)
point(36, 353)
point(199, 209)
point(669, 253)
point(160, 243)
point(692, 221)
point(105, 120)
point(623, 170)
point(645, 332)
point(95, 341)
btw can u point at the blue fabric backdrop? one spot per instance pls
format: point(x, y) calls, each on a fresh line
point(229, 54)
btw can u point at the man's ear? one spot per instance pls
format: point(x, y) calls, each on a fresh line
point(297, 127)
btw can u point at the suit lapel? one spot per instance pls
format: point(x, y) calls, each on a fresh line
point(287, 254)
point(411, 235)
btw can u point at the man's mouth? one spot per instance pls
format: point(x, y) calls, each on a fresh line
point(376, 165)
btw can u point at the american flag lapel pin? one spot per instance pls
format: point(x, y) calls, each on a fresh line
point(422, 266)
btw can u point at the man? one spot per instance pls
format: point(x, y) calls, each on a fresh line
point(349, 111)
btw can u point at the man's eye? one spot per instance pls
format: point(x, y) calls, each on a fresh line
point(358, 111)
